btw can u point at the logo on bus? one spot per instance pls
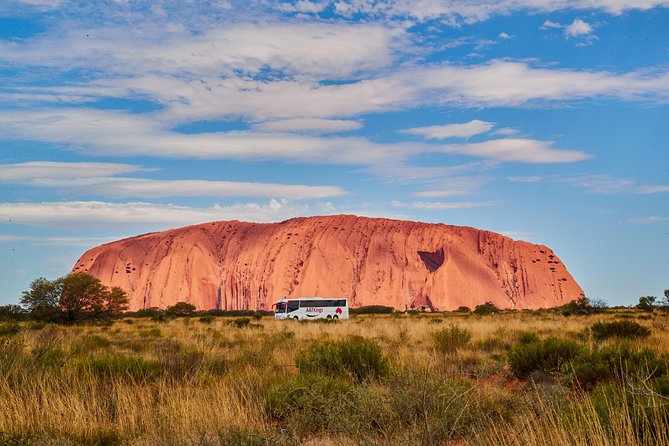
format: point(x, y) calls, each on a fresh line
point(314, 310)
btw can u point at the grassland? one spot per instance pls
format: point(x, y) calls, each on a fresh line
point(432, 379)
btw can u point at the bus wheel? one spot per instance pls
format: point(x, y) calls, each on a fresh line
point(335, 317)
point(329, 316)
point(296, 318)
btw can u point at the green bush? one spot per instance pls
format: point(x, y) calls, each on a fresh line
point(372, 309)
point(207, 319)
point(485, 309)
point(240, 322)
point(549, 355)
point(357, 358)
point(9, 329)
point(619, 329)
point(450, 339)
point(463, 309)
point(306, 403)
point(120, 366)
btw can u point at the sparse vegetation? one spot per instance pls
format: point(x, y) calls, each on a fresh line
point(507, 378)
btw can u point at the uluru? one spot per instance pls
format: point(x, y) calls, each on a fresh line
point(232, 265)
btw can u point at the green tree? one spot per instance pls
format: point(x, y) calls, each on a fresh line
point(486, 308)
point(181, 309)
point(646, 303)
point(84, 296)
point(116, 301)
point(42, 299)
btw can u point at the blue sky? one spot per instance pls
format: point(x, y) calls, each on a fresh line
point(542, 120)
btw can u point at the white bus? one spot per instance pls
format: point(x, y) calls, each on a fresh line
point(304, 308)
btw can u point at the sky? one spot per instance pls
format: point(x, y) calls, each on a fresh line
point(546, 121)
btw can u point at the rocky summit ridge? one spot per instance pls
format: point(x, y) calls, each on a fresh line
point(233, 265)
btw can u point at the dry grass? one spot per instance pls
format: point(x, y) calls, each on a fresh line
point(184, 382)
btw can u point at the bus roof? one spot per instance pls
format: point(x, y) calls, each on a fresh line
point(309, 298)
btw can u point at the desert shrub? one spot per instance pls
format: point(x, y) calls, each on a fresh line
point(485, 309)
point(207, 319)
point(177, 361)
point(120, 366)
point(372, 309)
point(435, 409)
point(549, 355)
point(450, 339)
point(619, 329)
point(93, 342)
point(151, 333)
point(357, 358)
point(36, 326)
point(527, 337)
point(217, 366)
point(621, 362)
point(240, 322)
point(492, 344)
point(181, 309)
point(463, 309)
point(9, 329)
point(306, 402)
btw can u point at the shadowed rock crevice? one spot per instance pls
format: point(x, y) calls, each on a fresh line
point(432, 260)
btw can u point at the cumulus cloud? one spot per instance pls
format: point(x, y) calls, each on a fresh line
point(465, 130)
point(578, 28)
point(505, 36)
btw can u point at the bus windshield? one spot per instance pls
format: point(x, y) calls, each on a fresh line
point(280, 307)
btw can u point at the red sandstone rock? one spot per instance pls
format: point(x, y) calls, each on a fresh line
point(235, 265)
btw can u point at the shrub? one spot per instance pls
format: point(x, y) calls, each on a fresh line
point(463, 309)
point(305, 402)
point(240, 322)
point(357, 358)
point(372, 309)
point(120, 366)
point(9, 329)
point(486, 308)
point(619, 329)
point(177, 361)
point(181, 309)
point(207, 319)
point(549, 355)
point(450, 339)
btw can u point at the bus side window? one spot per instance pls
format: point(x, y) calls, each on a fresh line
point(292, 306)
point(341, 302)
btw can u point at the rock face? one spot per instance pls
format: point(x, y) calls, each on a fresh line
point(233, 265)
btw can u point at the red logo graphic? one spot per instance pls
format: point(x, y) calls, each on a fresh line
point(338, 311)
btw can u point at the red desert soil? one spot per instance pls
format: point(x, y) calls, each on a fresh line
point(236, 265)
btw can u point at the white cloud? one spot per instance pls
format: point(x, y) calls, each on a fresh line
point(598, 184)
point(98, 214)
point(578, 28)
point(465, 130)
point(58, 241)
point(444, 205)
point(651, 189)
point(548, 24)
point(519, 150)
point(97, 178)
point(308, 125)
point(307, 49)
point(472, 11)
point(528, 179)
point(41, 170)
point(505, 36)
point(505, 131)
point(120, 134)
point(650, 219)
